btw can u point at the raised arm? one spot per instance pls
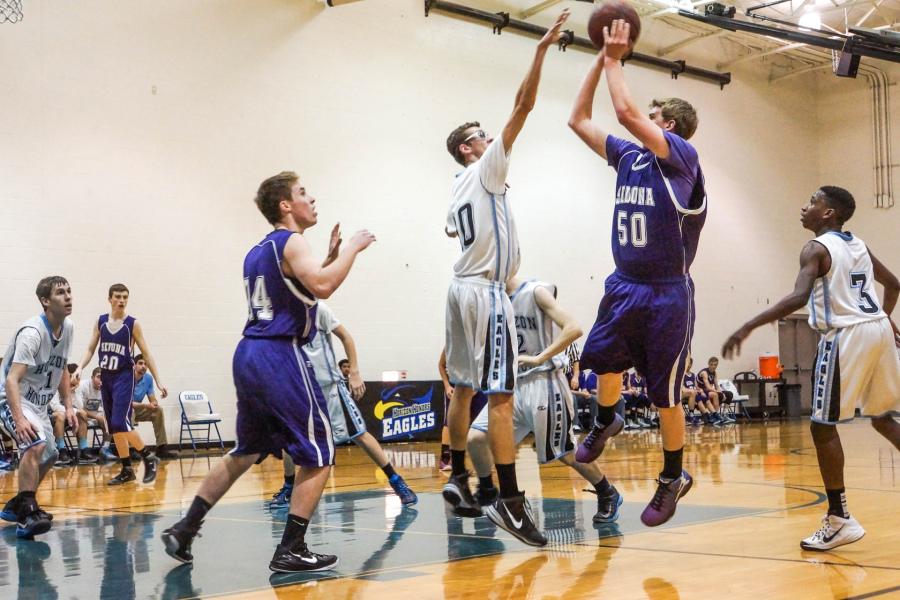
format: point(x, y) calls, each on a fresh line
point(527, 93)
point(580, 120)
point(814, 262)
point(357, 385)
point(322, 281)
point(569, 329)
point(628, 113)
point(148, 358)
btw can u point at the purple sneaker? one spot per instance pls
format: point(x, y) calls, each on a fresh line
point(662, 506)
point(591, 447)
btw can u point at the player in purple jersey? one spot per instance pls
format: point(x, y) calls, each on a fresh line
point(280, 407)
point(646, 317)
point(116, 333)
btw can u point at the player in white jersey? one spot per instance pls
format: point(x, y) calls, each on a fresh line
point(479, 346)
point(857, 363)
point(33, 367)
point(347, 423)
point(543, 402)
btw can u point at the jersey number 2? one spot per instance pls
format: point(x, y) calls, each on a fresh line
point(638, 228)
point(259, 303)
point(866, 303)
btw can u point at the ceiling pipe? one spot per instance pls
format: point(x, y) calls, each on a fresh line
point(501, 22)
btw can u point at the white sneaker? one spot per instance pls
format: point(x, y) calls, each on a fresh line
point(835, 531)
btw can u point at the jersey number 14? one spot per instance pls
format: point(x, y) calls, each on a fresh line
point(258, 302)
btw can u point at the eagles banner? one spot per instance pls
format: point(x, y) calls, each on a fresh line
point(402, 411)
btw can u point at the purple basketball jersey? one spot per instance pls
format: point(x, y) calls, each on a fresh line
point(660, 209)
point(690, 381)
point(115, 348)
point(279, 306)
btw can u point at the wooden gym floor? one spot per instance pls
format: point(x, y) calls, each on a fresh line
point(757, 492)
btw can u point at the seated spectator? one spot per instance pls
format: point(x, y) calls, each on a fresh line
point(709, 385)
point(144, 388)
point(634, 390)
point(344, 366)
point(58, 419)
point(690, 395)
point(87, 396)
point(573, 366)
point(585, 398)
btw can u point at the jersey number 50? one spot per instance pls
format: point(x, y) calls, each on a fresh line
point(638, 228)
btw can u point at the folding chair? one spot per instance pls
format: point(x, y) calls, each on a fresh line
point(737, 400)
point(197, 414)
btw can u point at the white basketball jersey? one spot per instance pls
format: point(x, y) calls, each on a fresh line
point(319, 349)
point(482, 219)
point(45, 357)
point(846, 294)
point(534, 329)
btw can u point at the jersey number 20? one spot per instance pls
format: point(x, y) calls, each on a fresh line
point(259, 303)
point(636, 233)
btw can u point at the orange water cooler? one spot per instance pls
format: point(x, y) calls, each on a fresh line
point(769, 368)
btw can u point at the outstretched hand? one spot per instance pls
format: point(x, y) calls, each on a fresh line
point(732, 346)
point(334, 244)
point(617, 39)
point(554, 34)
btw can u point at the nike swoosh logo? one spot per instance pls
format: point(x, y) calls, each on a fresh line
point(637, 167)
point(827, 540)
point(311, 561)
point(518, 524)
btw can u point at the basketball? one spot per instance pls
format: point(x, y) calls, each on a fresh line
point(608, 12)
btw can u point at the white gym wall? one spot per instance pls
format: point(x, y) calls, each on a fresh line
point(134, 135)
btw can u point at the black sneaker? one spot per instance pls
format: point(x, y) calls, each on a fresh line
point(10, 512)
point(83, 457)
point(124, 477)
point(178, 542)
point(64, 459)
point(150, 465)
point(514, 515)
point(34, 523)
point(607, 505)
point(486, 496)
point(164, 453)
point(458, 495)
point(301, 560)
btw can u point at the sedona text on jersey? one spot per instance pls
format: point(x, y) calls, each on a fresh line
point(112, 347)
point(629, 194)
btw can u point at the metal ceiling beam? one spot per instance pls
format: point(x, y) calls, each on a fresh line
point(529, 12)
point(687, 41)
point(501, 21)
point(755, 55)
point(861, 47)
point(800, 72)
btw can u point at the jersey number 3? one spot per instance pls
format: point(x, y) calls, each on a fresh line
point(866, 303)
point(258, 302)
